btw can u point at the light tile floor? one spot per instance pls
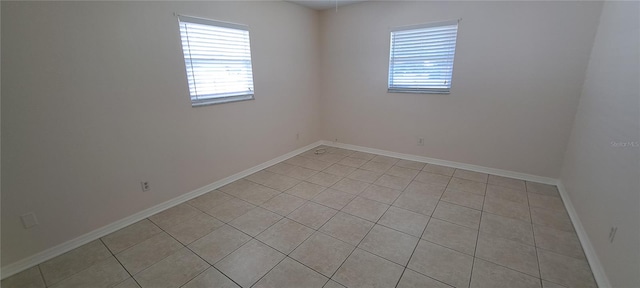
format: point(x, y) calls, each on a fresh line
point(340, 219)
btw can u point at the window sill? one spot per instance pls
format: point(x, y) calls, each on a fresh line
point(221, 100)
point(418, 91)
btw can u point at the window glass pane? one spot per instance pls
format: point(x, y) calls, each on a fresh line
point(217, 58)
point(421, 58)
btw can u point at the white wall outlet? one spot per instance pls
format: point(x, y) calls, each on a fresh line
point(29, 220)
point(298, 136)
point(145, 186)
point(420, 142)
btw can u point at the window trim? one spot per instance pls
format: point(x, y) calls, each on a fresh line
point(420, 90)
point(232, 96)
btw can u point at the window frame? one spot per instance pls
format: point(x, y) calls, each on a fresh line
point(421, 90)
point(231, 96)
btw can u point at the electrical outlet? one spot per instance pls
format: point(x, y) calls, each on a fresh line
point(336, 140)
point(145, 186)
point(612, 234)
point(29, 220)
point(420, 141)
point(298, 136)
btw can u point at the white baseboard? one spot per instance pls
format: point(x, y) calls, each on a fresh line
point(45, 255)
point(476, 168)
point(596, 266)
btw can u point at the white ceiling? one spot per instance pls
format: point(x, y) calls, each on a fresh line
point(324, 4)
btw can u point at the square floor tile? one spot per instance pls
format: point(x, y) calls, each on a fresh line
point(402, 172)
point(378, 167)
point(173, 271)
point(283, 204)
point(507, 208)
point(211, 278)
point(322, 253)
point(437, 169)
point(507, 228)
point(506, 182)
point(249, 191)
point(347, 228)
point(174, 215)
point(558, 241)
point(130, 235)
point(230, 210)
point(443, 264)
point(362, 155)
point(28, 278)
point(249, 263)
point(291, 274)
point(129, 283)
point(305, 190)
point(552, 218)
point(546, 202)
point(365, 175)
point(462, 198)
point(508, 194)
point(458, 214)
point(507, 253)
point(412, 279)
point(380, 194)
point(308, 163)
point(340, 170)
point(417, 202)
point(427, 189)
point(285, 235)
point(273, 180)
point(432, 178)
point(565, 270)
point(333, 198)
point(456, 237)
point(471, 175)
point(350, 186)
point(324, 179)
point(363, 269)
point(191, 229)
point(365, 208)
point(410, 164)
point(488, 275)
point(389, 244)
point(393, 182)
point(255, 221)
point(384, 159)
point(219, 243)
point(207, 201)
point(148, 252)
point(292, 171)
point(106, 273)
point(542, 189)
point(352, 162)
point(404, 220)
point(467, 186)
point(73, 262)
point(312, 215)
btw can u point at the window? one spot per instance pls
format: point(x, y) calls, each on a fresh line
point(217, 57)
point(421, 58)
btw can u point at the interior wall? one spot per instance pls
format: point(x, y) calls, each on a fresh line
point(518, 73)
point(602, 164)
point(95, 100)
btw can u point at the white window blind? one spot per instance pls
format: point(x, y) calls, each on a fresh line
point(421, 58)
point(217, 57)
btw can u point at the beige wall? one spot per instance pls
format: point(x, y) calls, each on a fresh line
point(518, 73)
point(601, 170)
point(95, 100)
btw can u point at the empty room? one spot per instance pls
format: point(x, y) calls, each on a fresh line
point(302, 144)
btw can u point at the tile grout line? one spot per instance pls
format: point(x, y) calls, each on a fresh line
point(533, 233)
point(121, 265)
point(423, 230)
point(473, 261)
